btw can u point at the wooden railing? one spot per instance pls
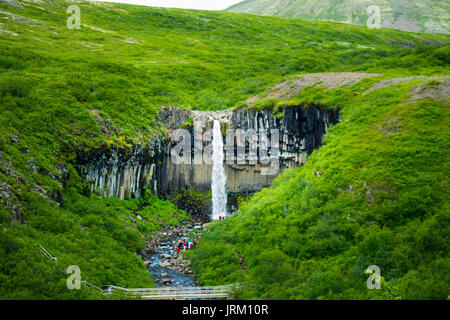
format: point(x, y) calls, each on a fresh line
point(162, 293)
point(47, 254)
point(174, 293)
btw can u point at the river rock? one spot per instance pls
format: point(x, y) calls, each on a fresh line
point(165, 264)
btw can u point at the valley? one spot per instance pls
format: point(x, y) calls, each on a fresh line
point(305, 151)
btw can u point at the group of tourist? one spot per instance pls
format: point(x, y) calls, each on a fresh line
point(186, 244)
point(227, 215)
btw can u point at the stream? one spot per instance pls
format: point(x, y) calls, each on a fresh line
point(168, 270)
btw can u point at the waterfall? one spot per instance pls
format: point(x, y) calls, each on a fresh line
point(219, 179)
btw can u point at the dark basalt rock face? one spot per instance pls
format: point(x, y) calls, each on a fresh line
point(301, 129)
point(122, 173)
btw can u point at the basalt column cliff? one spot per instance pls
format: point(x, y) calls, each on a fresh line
point(299, 130)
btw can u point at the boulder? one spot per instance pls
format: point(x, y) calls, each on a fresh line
point(165, 264)
point(14, 138)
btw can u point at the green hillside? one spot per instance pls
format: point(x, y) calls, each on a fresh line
point(416, 16)
point(60, 88)
point(375, 194)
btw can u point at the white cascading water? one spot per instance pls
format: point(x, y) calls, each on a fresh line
point(219, 178)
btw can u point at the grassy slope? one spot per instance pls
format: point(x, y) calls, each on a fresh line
point(427, 15)
point(144, 58)
point(375, 193)
point(97, 235)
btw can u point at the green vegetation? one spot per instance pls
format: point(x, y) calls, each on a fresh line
point(217, 265)
point(194, 202)
point(101, 236)
point(67, 92)
point(375, 194)
point(413, 15)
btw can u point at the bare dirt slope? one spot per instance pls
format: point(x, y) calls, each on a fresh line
point(437, 88)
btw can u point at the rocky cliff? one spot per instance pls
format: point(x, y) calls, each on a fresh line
point(290, 136)
point(121, 173)
point(300, 131)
